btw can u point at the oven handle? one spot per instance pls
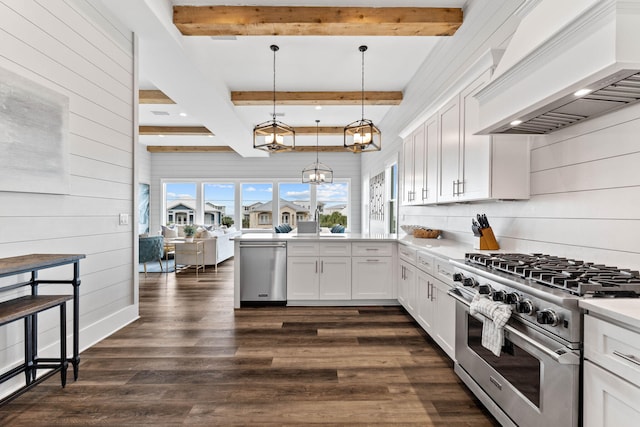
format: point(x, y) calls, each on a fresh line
point(564, 358)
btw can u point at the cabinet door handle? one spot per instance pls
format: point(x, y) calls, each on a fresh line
point(321, 266)
point(460, 183)
point(433, 293)
point(402, 276)
point(316, 267)
point(628, 357)
point(373, 260)
point(453, 191)
point(424, 193)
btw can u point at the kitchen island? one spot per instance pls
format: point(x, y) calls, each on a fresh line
point(331, 269)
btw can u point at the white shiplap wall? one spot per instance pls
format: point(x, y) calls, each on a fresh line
point(230, 166)
point(75, 49)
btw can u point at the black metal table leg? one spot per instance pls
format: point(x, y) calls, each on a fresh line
point(76, 319)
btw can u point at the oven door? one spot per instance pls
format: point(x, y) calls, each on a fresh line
point(534, 381)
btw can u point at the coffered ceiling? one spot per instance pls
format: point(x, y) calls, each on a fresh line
point(211, 77)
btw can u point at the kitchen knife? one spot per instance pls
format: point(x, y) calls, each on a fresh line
point(475, 227)
point(485, 221)
point(480, 221)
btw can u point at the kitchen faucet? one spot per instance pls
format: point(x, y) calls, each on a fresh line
point(316, 218)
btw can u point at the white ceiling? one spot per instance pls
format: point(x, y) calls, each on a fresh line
point(198, 72)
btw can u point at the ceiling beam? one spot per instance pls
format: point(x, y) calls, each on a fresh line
point(174, 130)
point(322, 130)
point(316, 98)
point(154, 97)
point(189, 149)
point(226, 149)
point(316, 21)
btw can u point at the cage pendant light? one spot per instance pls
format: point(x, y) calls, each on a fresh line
point(274, 136)
point(317, 173)
point(362, 135)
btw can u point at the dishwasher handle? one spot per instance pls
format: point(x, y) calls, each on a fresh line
point(267, 245)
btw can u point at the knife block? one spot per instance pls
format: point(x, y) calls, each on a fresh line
point(488, 240)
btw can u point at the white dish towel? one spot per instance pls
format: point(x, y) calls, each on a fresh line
point(496, 315)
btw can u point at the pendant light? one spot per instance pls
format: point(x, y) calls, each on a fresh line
point(317, 173)
point(362, 135)
point(274, 136)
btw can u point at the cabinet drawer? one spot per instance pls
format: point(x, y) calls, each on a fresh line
point(405, 253)
point(443, 270)
point(302, 249)
point(371, 249)
point(613, 347)
point(425, 262)
point(335, 249)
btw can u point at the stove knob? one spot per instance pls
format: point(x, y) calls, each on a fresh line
point(485, 289)
point(547, 317)
point(458, 277)
point(512, 298)
point(470, 281)
point(498, 295)
point(525, 307)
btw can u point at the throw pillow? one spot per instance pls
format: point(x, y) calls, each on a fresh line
point(169, 232)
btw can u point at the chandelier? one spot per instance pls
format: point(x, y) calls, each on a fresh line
point(317, 173)
point(362, 135)
point(274, 136)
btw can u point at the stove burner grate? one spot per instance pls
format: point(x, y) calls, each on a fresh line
point(572, 276)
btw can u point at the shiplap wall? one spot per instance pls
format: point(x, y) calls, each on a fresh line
point(230, 166)
point(73, 48)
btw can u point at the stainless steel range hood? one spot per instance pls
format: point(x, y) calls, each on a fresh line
point(559, 49)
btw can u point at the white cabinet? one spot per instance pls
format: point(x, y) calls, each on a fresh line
point(407, 287)
point(444, 317)
point(609, 400)
point(420, 164)
point(611, 390)
point(372, 278)
point(478, 167)
point(425, 303)
point(316, 276)
point(372, 271)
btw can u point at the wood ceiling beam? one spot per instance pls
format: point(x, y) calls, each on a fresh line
point(316, 21)
point(316, 98)
point(322, 130)
point(153, 97)
point(189, 149)
point(226, 149)
point(174, 130)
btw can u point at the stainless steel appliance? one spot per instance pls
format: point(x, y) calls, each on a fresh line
point(263, 272)
point(536, 379)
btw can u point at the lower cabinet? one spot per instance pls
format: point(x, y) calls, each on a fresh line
point(313, 278)
point(424, 295)
point(611, 384)
point(340, 271)
point(610, 401)
point(407, 287)
point(372, 278)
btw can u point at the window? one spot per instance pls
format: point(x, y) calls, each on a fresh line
point(295, 203)
point(393, 199)
point(333, 203)
point(180, 202)
point(219, 204)
point(257, 205)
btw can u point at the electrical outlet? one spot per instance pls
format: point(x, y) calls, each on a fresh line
point(124, 219)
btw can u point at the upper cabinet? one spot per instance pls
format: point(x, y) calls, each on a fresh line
point(445, 161)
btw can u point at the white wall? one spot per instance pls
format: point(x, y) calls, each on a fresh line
point(230, 166)
point(74, 49)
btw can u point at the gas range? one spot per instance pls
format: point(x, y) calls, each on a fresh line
point(543, 290)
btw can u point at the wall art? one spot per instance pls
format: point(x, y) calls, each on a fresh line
point(34, 153)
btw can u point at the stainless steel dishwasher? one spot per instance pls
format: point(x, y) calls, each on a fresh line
point(263, 272)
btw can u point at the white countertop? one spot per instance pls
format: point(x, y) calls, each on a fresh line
point(322, 237)
point(625, 311)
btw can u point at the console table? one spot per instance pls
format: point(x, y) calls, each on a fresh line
point(28, 307)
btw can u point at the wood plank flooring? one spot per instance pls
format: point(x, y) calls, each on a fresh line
point(191, 359)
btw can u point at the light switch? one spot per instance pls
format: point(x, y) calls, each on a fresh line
point(124, 219)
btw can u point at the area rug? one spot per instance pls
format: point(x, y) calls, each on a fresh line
point(154, 267)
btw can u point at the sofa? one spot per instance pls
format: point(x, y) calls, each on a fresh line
point(218, 244)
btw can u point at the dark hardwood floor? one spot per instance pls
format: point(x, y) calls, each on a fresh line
point(192, 360)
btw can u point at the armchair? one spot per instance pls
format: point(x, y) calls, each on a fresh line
point(150, 249)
